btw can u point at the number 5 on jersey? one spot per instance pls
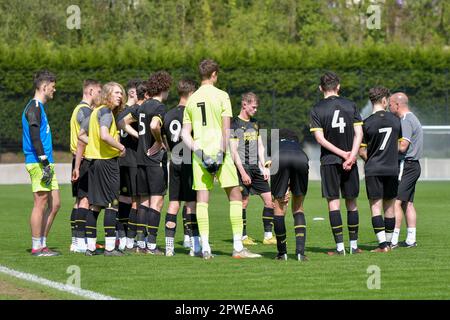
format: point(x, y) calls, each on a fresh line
point(337, 122)
point(141, 124)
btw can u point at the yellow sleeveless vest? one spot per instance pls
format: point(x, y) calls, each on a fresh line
point(75, 127)
point(97, 148)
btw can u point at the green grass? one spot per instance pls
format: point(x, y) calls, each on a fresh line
point(417, 273)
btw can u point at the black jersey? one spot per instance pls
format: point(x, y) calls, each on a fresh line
point(144, 114)
point(130, 142)
point(172, 129)
point(335, 116)
point(247, 133)
point(381, 133)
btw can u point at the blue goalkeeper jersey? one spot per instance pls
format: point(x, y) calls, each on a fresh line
point(34, 114)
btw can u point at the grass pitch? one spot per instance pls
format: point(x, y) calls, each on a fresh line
point(416, 273)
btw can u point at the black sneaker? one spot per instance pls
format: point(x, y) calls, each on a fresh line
point(281, 256)
point(113, 253)
point(90, 253)
point(404, 244)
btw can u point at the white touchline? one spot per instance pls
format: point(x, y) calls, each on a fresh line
point(55, 285)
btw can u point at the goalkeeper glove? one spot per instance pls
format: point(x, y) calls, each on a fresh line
point(47, 172)
point(207, 162)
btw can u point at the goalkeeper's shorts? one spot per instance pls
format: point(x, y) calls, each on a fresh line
point(227, 174)
point(35, 172)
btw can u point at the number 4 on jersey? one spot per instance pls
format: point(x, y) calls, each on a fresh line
point(338, 124)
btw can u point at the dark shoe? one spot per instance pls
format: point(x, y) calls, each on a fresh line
point(336, 253)
point(281, 256)
point(394, 246)
point(404, 244)
point(90, 253)
point(355, 251)
point(50, 253)
point(113, 253)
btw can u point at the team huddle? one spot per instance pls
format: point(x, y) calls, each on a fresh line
point(129, 151)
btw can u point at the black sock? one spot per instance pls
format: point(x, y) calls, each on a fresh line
point(353, 224)
point(123, 217)
point(81, 222)
point(141, 222)
point(193, 225)
point(244, 220)
point(300, 232)
point(73, 219)
point(389, 225)
point(109, 222)
point(185, 222)
point(378, 226)
point(132, 224)
point(170, 232)
point(336, 226)
point(154, 218)
point(280, 232)
point(91, 224)
point(267, 219)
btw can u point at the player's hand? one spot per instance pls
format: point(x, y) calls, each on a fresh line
point(156, 147)
point(47, 175)
point(348, 164)
point(207, 162)
point(122, 151)
point(246, 180)
point(266, 173)
point(75, 174)
point(347, 155)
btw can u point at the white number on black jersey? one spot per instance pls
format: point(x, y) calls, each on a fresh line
point(388, 132)
point(175, 130)
point(338, 124)
point(141, 124)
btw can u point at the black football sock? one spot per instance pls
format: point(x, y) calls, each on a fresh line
point(185, 222)
point(244, 221)
point(81, 222)
point(141, 225)
point(91, 224)
point(193, 225)
point(154, 218)
point(353, 224)
point(132, 221)
point(389, 226)
point(267, 217)
point(170, 231)
point(280, 232)
point(123, 217)
point(378, 227)
point(336, 226)
point(300, 232)
point(73, 219)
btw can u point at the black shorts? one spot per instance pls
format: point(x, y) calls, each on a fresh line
point(335, 179)
point(128, 181)
point(181, 179)
point(80, 187)
point(382, 187)
point(258, 185)
point(104, 182)
point(408, 177)
point(293, 171)
point(152, 180)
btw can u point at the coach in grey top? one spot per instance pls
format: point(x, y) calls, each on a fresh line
point(411, 149)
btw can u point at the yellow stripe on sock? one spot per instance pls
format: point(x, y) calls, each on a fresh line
point(300, 226)
point(337, 227)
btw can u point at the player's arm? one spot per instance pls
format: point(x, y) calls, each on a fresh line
point(234, 143)
point(105, 121)
point(81, 147)
point(155, 129)
point(403, 145)
point(357, 139)
point(262, 160)
point(33, 116)
point(320, 138)
point(363, 151)
point(186, 132)
point(125, 125)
